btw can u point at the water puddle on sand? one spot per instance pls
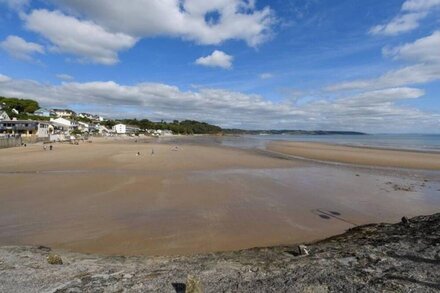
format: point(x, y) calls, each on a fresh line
point(192, 212)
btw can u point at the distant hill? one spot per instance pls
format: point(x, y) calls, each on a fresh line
point(290, 132)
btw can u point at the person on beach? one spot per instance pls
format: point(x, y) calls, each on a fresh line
point(138, 154)
point(44, 147)
point(152, 151)
point(50, 147)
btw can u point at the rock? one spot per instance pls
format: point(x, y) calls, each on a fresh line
point(54, 259)
point(193, 285)
point(303, 250)
point(299, 250)
point(405, 221)
point(369, 258)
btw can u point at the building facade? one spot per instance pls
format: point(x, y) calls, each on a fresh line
point(42, 112)
point(25, 129)
point(120, 128)
point(63, 113)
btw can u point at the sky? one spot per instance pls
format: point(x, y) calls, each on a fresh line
point(361, 65)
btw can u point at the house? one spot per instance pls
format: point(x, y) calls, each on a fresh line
point(120, 128)
point(42, 112)
point(91, 117)
point(63, 124)
point(4, 116)
point(103, 130)
point(63, 113)
point(83, 126)
point(26, 128)
point(160, 132)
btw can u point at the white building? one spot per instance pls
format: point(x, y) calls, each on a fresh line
point(64, 123)
point(42, 112)
point(44, 130)
point(63, 113)
point(120, 128)
point(4, 116)
point(103, 130)
point(91, 117)
point(83, 126)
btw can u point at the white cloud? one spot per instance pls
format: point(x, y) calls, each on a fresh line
point(85, 39)
point(65, 77)
point(424, 52)
point(189, 19)
point(412, 12)
point(216, 59)
point(4, 78)
point(399, 24)
point(368, 111)
point(266, 75)
point(419, 5)
point(20, 49)
point(15, 4)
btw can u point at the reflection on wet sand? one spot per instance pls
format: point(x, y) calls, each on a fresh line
point(103, 198)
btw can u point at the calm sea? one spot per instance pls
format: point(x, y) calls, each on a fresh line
point(427, 142)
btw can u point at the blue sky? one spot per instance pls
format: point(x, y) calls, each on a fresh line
point(301, 64)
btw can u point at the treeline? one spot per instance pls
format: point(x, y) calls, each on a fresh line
point(177, 127)
point(21, 105)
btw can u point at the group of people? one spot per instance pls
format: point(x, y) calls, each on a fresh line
point(45, 147)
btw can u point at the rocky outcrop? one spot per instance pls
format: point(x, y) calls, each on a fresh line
point(400, 257)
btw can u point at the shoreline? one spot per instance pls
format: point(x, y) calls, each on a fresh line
point(204, 197)
point(358, 155)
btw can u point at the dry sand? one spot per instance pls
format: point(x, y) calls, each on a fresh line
point(358, 155)
point(102, 198)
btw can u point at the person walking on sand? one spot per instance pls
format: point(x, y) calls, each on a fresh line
point(50, 147)
point(152, 151)
point(44, 147)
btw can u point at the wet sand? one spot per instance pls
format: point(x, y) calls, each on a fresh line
point(101, 198)
point(359, 155)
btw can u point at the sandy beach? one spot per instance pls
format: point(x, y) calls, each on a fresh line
point(359, 155)
point(187, 198)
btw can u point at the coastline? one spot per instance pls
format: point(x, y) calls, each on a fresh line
point(202, 197)
point(359, 155)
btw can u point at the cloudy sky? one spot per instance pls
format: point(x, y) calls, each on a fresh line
point(369, 65)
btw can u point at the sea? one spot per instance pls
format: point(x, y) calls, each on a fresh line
point(419, 142)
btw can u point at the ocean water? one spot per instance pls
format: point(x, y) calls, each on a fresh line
point(423, 142)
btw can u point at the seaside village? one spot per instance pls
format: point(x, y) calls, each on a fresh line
point(60, 125)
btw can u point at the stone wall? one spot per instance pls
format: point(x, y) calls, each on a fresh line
point(9, 142)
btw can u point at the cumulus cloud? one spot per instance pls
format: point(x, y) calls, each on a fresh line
point(206, 22)
point(412, 12)
point(20, 49)
point(368, 111)
point(216, 59)
point(85, 39)
point(423, 52)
